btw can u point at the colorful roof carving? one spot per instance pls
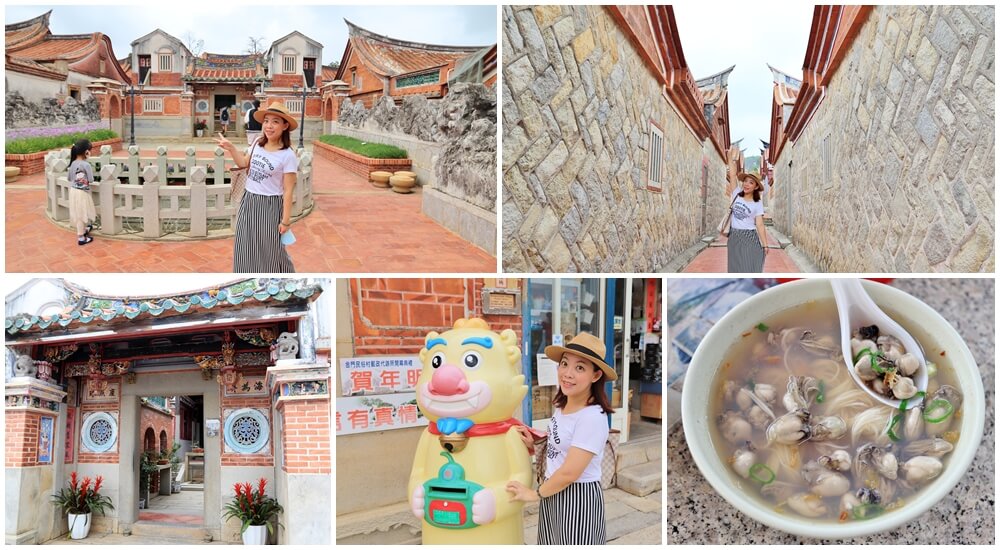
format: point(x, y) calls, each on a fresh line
point(226, 68)
point(391, 57)
point(87, 307)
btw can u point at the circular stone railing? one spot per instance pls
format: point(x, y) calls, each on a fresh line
point(165, 198)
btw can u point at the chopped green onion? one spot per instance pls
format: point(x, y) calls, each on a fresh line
point(761, 473)
point(862, 353)
point(931, 369)
point(902, 405)
point(762, 327)
point(867, 511)
point(892, 425)
point(822, 392)
point(933, 412)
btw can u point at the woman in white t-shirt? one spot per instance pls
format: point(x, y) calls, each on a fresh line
point(747, 237)
point(266, 208)
point(571, 509)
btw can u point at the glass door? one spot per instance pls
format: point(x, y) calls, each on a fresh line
point(555, 310)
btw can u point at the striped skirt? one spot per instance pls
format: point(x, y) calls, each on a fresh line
point(745, 253)
point(258, 247)
point(574, 515)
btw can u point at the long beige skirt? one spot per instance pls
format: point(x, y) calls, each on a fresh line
point(81, 207)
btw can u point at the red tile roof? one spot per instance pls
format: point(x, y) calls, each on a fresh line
point(69, 47)
point(16, 34)
point(392, 57)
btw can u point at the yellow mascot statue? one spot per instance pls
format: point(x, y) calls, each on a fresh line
point(469, 388)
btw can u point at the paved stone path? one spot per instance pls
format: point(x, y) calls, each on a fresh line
point(353, 228)
point(714, 259)
point(116, 539)
point(630, 519)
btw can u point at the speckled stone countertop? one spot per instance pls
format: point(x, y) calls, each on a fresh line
point(697, 515)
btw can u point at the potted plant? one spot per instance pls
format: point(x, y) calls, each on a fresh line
point(175, 467)
point(200, 126)
point(147, 470)
point(255, 510)
point(79, 501)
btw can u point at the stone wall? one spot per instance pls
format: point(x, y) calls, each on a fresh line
point(462, 124)
point(578, 105)
point(909, 122)
point(21, 113)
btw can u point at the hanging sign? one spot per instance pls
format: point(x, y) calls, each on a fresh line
point(375, 413)
point(379, 374)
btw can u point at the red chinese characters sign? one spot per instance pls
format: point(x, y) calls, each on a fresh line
point(359, 414)
point(379, 374)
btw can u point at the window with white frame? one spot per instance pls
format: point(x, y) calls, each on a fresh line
point(655, 180)
point(288, 63)
point(166, 64)
point(152, 104)
point(294, 105)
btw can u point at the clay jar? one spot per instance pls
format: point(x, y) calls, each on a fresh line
point(380, 179)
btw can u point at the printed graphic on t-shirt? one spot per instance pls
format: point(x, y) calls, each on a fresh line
point(550, 450)
point(741, 211)
point(260, 168)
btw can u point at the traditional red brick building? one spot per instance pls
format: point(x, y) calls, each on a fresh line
point(786, 90)
point(374, 65)
point(87, 376)
point(41, 65)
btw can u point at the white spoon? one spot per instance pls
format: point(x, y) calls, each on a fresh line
point(857, 310)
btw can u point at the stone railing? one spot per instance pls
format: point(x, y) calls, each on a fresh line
point(162, 198)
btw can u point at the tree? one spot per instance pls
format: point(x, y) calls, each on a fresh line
point(255, 46)
point(334, 65)
point(194, 44)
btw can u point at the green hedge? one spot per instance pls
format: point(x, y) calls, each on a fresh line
point(370, 150)
point(24, 146)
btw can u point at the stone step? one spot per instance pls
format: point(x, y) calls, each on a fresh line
point(172, 531)
point(642, 479)
point(639, 452)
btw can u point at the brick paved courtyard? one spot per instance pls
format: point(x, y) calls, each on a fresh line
point(354, 228)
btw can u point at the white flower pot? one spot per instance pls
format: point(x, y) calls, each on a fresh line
point(255, 534)
point(79, 525)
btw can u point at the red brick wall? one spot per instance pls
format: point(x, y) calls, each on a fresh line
point(286, 80)
point(21, 440)
point(110, 457)
point(497, 322)
point(171, 105)
point(262, 403)
point(371, 83)
point(152, 418)
point(392, 316)
point(165, 79)
point(306, 437)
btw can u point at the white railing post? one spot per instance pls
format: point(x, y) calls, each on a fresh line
point(151, 202)
point(189, 163)
point(199, 202)
point(219, 166)
point(111, 224)
point(133, 165)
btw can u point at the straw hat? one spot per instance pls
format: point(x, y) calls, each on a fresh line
point(744, 175)
point(276, 108)
point(584, 345)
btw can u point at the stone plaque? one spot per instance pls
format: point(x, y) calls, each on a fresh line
point(502, 301)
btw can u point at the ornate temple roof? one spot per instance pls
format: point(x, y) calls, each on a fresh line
point(391, 57)
point(29, 46)
point(226, 68)
point(786, 88)
point(86, 307)
point(713, 88)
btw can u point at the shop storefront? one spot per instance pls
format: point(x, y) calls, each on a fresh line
point(626, 313)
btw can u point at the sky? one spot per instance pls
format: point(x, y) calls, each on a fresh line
point(715, 37)
point(225, 26)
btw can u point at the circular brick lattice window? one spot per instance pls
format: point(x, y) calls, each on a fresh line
point(100, 432)
point(201, 106)
point(247, 431)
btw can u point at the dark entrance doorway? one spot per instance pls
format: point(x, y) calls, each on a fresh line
point(225, 100)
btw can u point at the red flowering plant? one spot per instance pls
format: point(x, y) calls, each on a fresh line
point(252, 506)
point(82, 498)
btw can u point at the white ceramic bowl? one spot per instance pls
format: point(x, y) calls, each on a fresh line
point(915, 316)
